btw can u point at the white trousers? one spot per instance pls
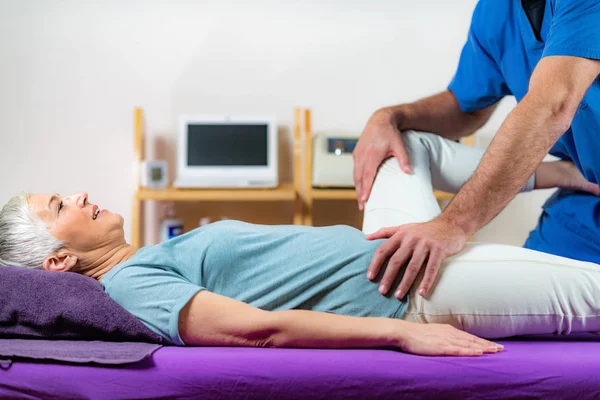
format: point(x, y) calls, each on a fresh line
point(489, 290)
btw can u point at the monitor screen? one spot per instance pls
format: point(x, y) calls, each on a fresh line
point(227, 144)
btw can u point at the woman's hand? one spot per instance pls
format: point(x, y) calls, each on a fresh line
point(443, 340)
point(563, 174)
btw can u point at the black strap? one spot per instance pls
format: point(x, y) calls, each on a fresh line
point(534, 9)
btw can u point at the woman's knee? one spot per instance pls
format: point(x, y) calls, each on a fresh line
point(418, 142)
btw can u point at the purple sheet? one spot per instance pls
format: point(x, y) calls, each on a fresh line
point(526, 369)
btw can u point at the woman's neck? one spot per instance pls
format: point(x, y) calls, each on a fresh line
point(103, 262)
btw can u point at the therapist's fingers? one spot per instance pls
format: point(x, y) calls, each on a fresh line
point(399, 151)
point(374, 160)
point(369, 160)
point(395, 263)
point(431, 270)
point(368, 177)
point(382, 233)
point(359, 165)
point(382, 253)
point(412, 270)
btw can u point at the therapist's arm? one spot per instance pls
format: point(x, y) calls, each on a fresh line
point(440, 114)
point(213, 320)
point(556, 89)
point(537, 122)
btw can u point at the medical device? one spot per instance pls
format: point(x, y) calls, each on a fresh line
point(332, 159)
point(154, 174)
point(227, 152)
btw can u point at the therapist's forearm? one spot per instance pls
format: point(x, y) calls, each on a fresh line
point(556, 88)
point(439, 114)
point(523, 140)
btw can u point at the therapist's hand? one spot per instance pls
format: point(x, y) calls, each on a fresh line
point(416, 245)
point(379, 140)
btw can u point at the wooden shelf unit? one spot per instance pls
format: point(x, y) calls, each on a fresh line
point(286, 191)
point(315, 193)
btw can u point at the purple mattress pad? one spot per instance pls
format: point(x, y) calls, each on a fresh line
point(526, 369)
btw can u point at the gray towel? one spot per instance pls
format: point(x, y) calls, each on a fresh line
point(77, 351)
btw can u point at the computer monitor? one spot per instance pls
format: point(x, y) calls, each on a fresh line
point(227, 152)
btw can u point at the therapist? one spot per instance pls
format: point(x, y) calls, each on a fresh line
point(546, 53)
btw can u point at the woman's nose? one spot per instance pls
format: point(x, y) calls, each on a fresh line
point(78, 198)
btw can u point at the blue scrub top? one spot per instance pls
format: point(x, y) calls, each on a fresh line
point(498, 59)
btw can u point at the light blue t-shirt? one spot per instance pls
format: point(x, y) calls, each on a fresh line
point(501, 52)
point(271, 267)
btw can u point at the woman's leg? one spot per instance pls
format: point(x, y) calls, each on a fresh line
point(495, 291)
point(487, 289)
point(398, 198)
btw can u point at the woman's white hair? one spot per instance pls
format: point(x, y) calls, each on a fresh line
point(25, 241)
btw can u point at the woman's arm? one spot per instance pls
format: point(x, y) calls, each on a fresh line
point(563, 174)
point(213, 320)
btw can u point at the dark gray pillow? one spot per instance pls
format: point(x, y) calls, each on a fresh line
point(38, 304)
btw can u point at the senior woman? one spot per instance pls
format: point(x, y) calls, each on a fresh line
point(238, 284)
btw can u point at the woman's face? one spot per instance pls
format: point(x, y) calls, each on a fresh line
point(80, 225)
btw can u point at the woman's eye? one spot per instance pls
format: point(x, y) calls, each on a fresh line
point(60, 205)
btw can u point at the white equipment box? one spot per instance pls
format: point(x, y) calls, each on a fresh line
point(332, 159)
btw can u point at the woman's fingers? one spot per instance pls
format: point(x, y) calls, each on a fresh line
point(458, 338)
point(467, 344)
point(474, 347)
point(486, 343)
point(444, 339)
point(451, 350)
point(471, 340)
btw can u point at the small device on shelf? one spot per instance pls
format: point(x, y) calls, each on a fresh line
point(227, 152)
point(170, 226)
point(332, 160)
point(154, 174)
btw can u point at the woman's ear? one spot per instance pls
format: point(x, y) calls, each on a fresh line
point(58, 262)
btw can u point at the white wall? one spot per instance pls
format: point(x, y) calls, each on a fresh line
point(72, 71)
